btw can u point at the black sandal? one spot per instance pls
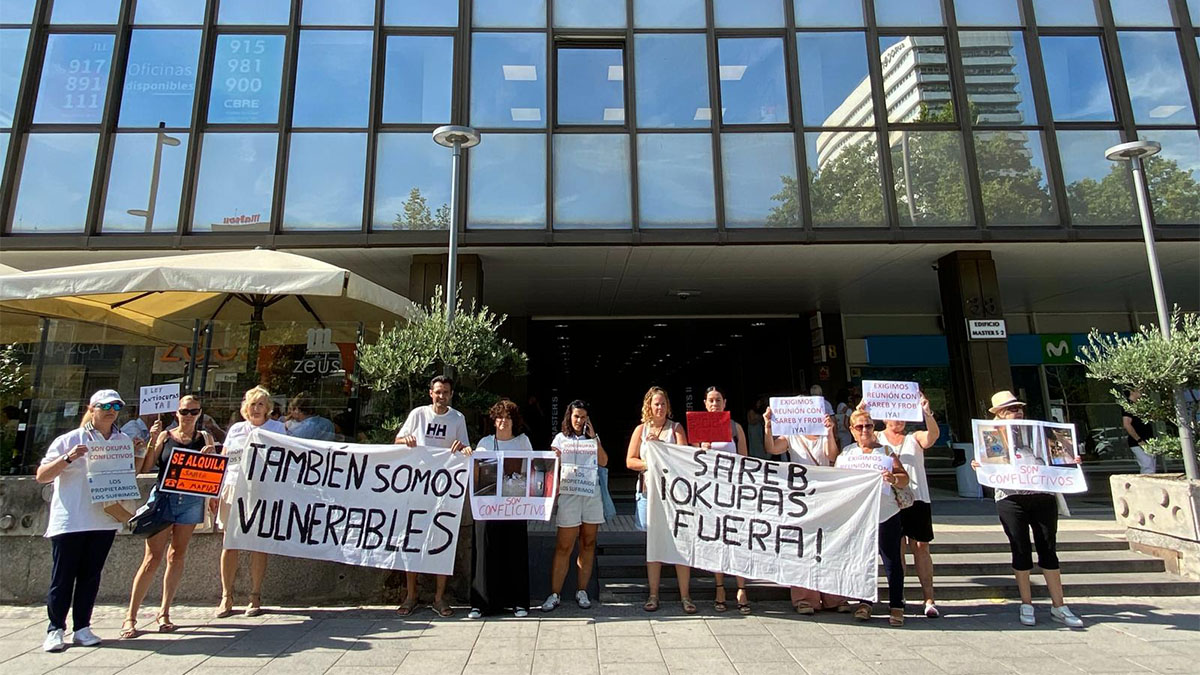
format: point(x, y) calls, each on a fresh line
point(719, 603)
point(743, 607)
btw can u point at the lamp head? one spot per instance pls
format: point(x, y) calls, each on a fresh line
point(451, 134)
point(1127, 152)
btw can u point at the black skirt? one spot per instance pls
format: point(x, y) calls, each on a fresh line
point(500, 566)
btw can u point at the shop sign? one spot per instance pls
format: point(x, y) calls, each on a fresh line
point(986, 329)
point(1057, 349)
point(321, 356)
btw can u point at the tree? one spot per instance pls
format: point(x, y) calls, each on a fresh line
point(416, 215)
point(12, 378)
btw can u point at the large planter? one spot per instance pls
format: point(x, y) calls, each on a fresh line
point(1161, 516)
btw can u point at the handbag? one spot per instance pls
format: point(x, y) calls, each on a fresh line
point(151, 518)
point(905, 496)
point(610, 509)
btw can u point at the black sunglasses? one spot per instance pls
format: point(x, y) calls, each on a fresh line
point(189, 411)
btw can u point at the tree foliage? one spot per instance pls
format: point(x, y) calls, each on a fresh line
point(417, 216)
point(12, 378)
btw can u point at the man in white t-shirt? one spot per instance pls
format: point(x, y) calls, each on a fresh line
point(433, 426)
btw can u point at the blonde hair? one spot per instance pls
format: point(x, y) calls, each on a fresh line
point(253, 394)
point(650, 393)
point(87, 418)
point(856, 416)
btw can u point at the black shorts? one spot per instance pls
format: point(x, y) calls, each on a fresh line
point(916, 522)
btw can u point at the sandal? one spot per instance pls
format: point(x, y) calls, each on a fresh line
point(255, 606)
point(128, 629)
point(651, 604)
point(743, 605)
point(719, 603)
point(407, 606)
point(164, 623)
point(804, 608)
point(896, 618)
point(442, 608)
point(863, 612)
point(225, 608)
point(689, 607)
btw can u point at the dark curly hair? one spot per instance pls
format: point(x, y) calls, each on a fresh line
point(506, 408)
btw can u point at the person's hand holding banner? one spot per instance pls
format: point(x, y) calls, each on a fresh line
point(160, 398)
point(709, 427)
point(110, 471)
point(887, 400)
point(798, 416)
point(1027, 455)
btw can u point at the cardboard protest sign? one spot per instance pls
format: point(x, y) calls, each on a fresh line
point(385, 506)
point(160, 398)
point(709, 427)
point(577, 474)
point(110, 471)
point(513, 484)
point(1027, 455)
point(798, 416)
point(887, 400)
point(795, 525)
point(194, 473)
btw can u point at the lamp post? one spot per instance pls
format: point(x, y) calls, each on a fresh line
point(1134, 152)
point(456, 138)
point(159, 142)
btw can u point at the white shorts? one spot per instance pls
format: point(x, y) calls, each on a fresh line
point(576, 509)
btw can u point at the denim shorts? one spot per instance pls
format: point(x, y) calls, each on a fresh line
point(182, 509)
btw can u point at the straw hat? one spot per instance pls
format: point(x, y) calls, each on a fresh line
point(1003, 399)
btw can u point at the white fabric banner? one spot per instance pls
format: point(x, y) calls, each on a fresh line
point(798, 415)
point(578, 472)
point(386, 506)
point(808, 526)
point(513, 484)
point(1028, 455)
point(887, 400)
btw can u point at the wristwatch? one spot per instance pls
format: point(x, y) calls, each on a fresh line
point(67, 458)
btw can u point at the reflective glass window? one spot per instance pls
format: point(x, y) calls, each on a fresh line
point(251, 12)
point(236, 183)
point(132, 179)
point(74, 79)
point(916, 79)
point(672, 81)
point(843, 179)
point(1076, 78)
point(85, 11)
point(589, 13)
point(668, 13)
point(412, 183)
point(1174, 176)
point(908, 12)
point(417, 78)
point(828, 13)
point(510, 13)
point(1013, 178)
point(1066, 12)
point(1194, 12)
point(325, 181)
point(5, 137)
point(16, 11)
point(753, 81)
point(337, 13)
point(759, 174)
point(168, 12)
point(160, 78)
point(988, 13)
point(333, 78)
point(748, 13)
point(928, 174)
point(420, 13)
point(56, 183)
point(1154, 74)
point(996, 73)
point(246, 76)
point(506, 183)
point(591, 86)
point(835, 88)
point(1141, 12)
point(13, 43)
point(591, 181)
point(1099, 192)
point(675, 181)
point(508, 80)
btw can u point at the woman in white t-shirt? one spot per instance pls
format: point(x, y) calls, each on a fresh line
point(80, 531)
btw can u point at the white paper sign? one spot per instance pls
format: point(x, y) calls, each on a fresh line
point(798, 416)
point(808, 526)
point(867, 462)
point(110, 471)
point(161, 398)
point(513, 484)
point(578, 467)
point(385, 506)
point(1028, 455)
point(887, 400)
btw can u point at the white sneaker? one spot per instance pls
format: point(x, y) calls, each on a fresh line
point(521, 613)
point(1064, 615)
point(931, 611)
point(84, 637)
point(1027, 616)
point(582, 599)
point(474, 613)
point(54, 641)
point(551, 602)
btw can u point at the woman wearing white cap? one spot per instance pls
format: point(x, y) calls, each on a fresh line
point(80, 531)
point(1019, 512)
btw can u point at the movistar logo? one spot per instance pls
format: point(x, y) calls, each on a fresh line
point(1057, 349)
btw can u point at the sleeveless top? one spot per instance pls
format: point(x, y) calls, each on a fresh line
point(727, 446)
point(164, 456)
point(673, 426)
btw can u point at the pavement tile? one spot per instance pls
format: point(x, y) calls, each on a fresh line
point(829, 661)
point(686, 633)
point(633, 669)
point(1167, 663)
point(905, 666)
point(566, 637)
point(361, 670)
point(619, 628)
point(33, 663)
point(630, 650)
point(445, 662)
point(678, 658)
point(961, 661)
point(737, 625)
point(161, 664)
point(215, 670)
point(778, 668)
point(880, 647)
point(1039, 666)
point(524, 628)
point(119, 655)
point(753, 648)
point(565, 661)
point(502, 656)
point(802, 634)
point(372, 654)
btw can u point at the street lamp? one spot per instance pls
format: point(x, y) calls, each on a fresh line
point(148, 212)
point(458, 138)
point(1134, 152)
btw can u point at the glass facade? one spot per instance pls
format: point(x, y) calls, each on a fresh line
point(595, 115)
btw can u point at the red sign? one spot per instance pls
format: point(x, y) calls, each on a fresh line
point(709, 427)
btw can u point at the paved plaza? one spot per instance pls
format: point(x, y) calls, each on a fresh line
point(1122, 635)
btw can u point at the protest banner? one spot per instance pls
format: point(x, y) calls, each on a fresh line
point(792, 524)
point(577, 474)
point(709, 427)
point(798, 416)
point(160, 398)
point(194, 473)
point(1028, 455)
point(886, 400)
point(385, 506)
point(110, 471)
point(867, 462)
point(513, 484)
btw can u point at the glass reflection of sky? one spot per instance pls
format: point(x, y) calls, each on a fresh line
point(753, 165)
point(591, 181)
point(748, 13)
point(236, 181)
point(675, 181)
point(56, 182)
point(1082, 156)
point(333, 78)
point(753, 81)
point(1142, 12)
point(908, 12)
point(506, 182)
point(1076, 78)
point(589, 13)
point(250, 12)
point(672, 81)
point(74, 79)
point(826, 218)
point(129, 183)
point(338, 12)
point(1066, 12)
point(16, 11)
point(828, 13)
point(417, 78)
point(987, 13)
point(325, 182)
point(5, 137)
point(510, 13)
point(246, 75)
point(591, 86)
point(1154, 75)
point(168, 12)
point(13, 43)
point(404, 162)
point(668, 13)
point(508, 80)
point(160, 78)
point(832, 65)
point(420, 13)
point(1181, 146)
point(85, 11)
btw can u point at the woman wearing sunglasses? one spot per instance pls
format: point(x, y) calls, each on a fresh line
point(184, 512)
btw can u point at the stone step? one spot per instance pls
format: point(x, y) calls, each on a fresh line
point(1075, 541)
